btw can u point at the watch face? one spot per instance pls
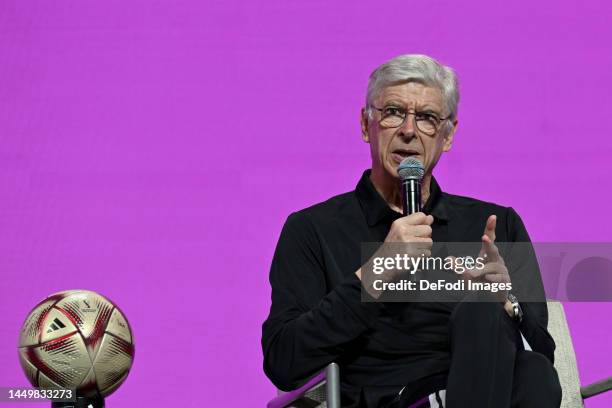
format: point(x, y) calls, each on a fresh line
point(516, 308)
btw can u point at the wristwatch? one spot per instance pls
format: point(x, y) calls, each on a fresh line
point(516, 308)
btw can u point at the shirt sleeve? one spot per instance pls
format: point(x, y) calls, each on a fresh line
point(535, 314)
point(309, 326)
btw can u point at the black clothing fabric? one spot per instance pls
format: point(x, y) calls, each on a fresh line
point(489, 366)
point(488, 362)
point(317, 316)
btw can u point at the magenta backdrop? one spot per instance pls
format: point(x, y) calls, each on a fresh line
point(151, 151)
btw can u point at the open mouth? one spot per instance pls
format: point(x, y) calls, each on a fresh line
point(401, 154)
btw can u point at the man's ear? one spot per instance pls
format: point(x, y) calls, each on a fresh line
point(364, 126)
point(448, 139)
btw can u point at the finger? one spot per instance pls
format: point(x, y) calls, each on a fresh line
point(492, 269)
point(423, 231)
point(490, 227)
point(491, 252)
point(497, 277)
point(417, 218)
point(415, 247)
point(468, 274)
point(418, 245)
point(489, 231)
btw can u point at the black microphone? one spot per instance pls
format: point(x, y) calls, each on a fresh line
point(411, 175)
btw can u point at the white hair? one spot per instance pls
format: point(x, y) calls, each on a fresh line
point(415, 68)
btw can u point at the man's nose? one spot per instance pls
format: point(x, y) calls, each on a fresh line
point(408, 128)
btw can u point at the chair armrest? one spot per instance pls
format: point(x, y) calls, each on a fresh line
point(596, 388)
point(330, 376)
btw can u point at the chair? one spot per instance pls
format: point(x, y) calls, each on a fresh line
point(323, 390)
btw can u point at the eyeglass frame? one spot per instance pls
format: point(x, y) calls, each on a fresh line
point(414, 114)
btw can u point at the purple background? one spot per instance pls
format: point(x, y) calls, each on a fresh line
point(151, 151)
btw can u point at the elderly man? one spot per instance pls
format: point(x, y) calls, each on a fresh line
point(420, 354)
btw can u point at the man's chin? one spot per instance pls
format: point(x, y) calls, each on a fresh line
point(391, 172)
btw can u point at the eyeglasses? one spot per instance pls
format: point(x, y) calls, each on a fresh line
point(395, 116)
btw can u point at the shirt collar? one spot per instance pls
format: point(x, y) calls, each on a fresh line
point(376, 208)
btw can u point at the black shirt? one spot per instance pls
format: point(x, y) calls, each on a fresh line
point(317, 316)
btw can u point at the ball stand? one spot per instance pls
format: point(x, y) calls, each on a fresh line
point(81, 402)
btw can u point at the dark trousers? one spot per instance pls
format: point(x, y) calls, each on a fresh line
point(489, 366)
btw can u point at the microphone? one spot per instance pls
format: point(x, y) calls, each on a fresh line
point(411, 173)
